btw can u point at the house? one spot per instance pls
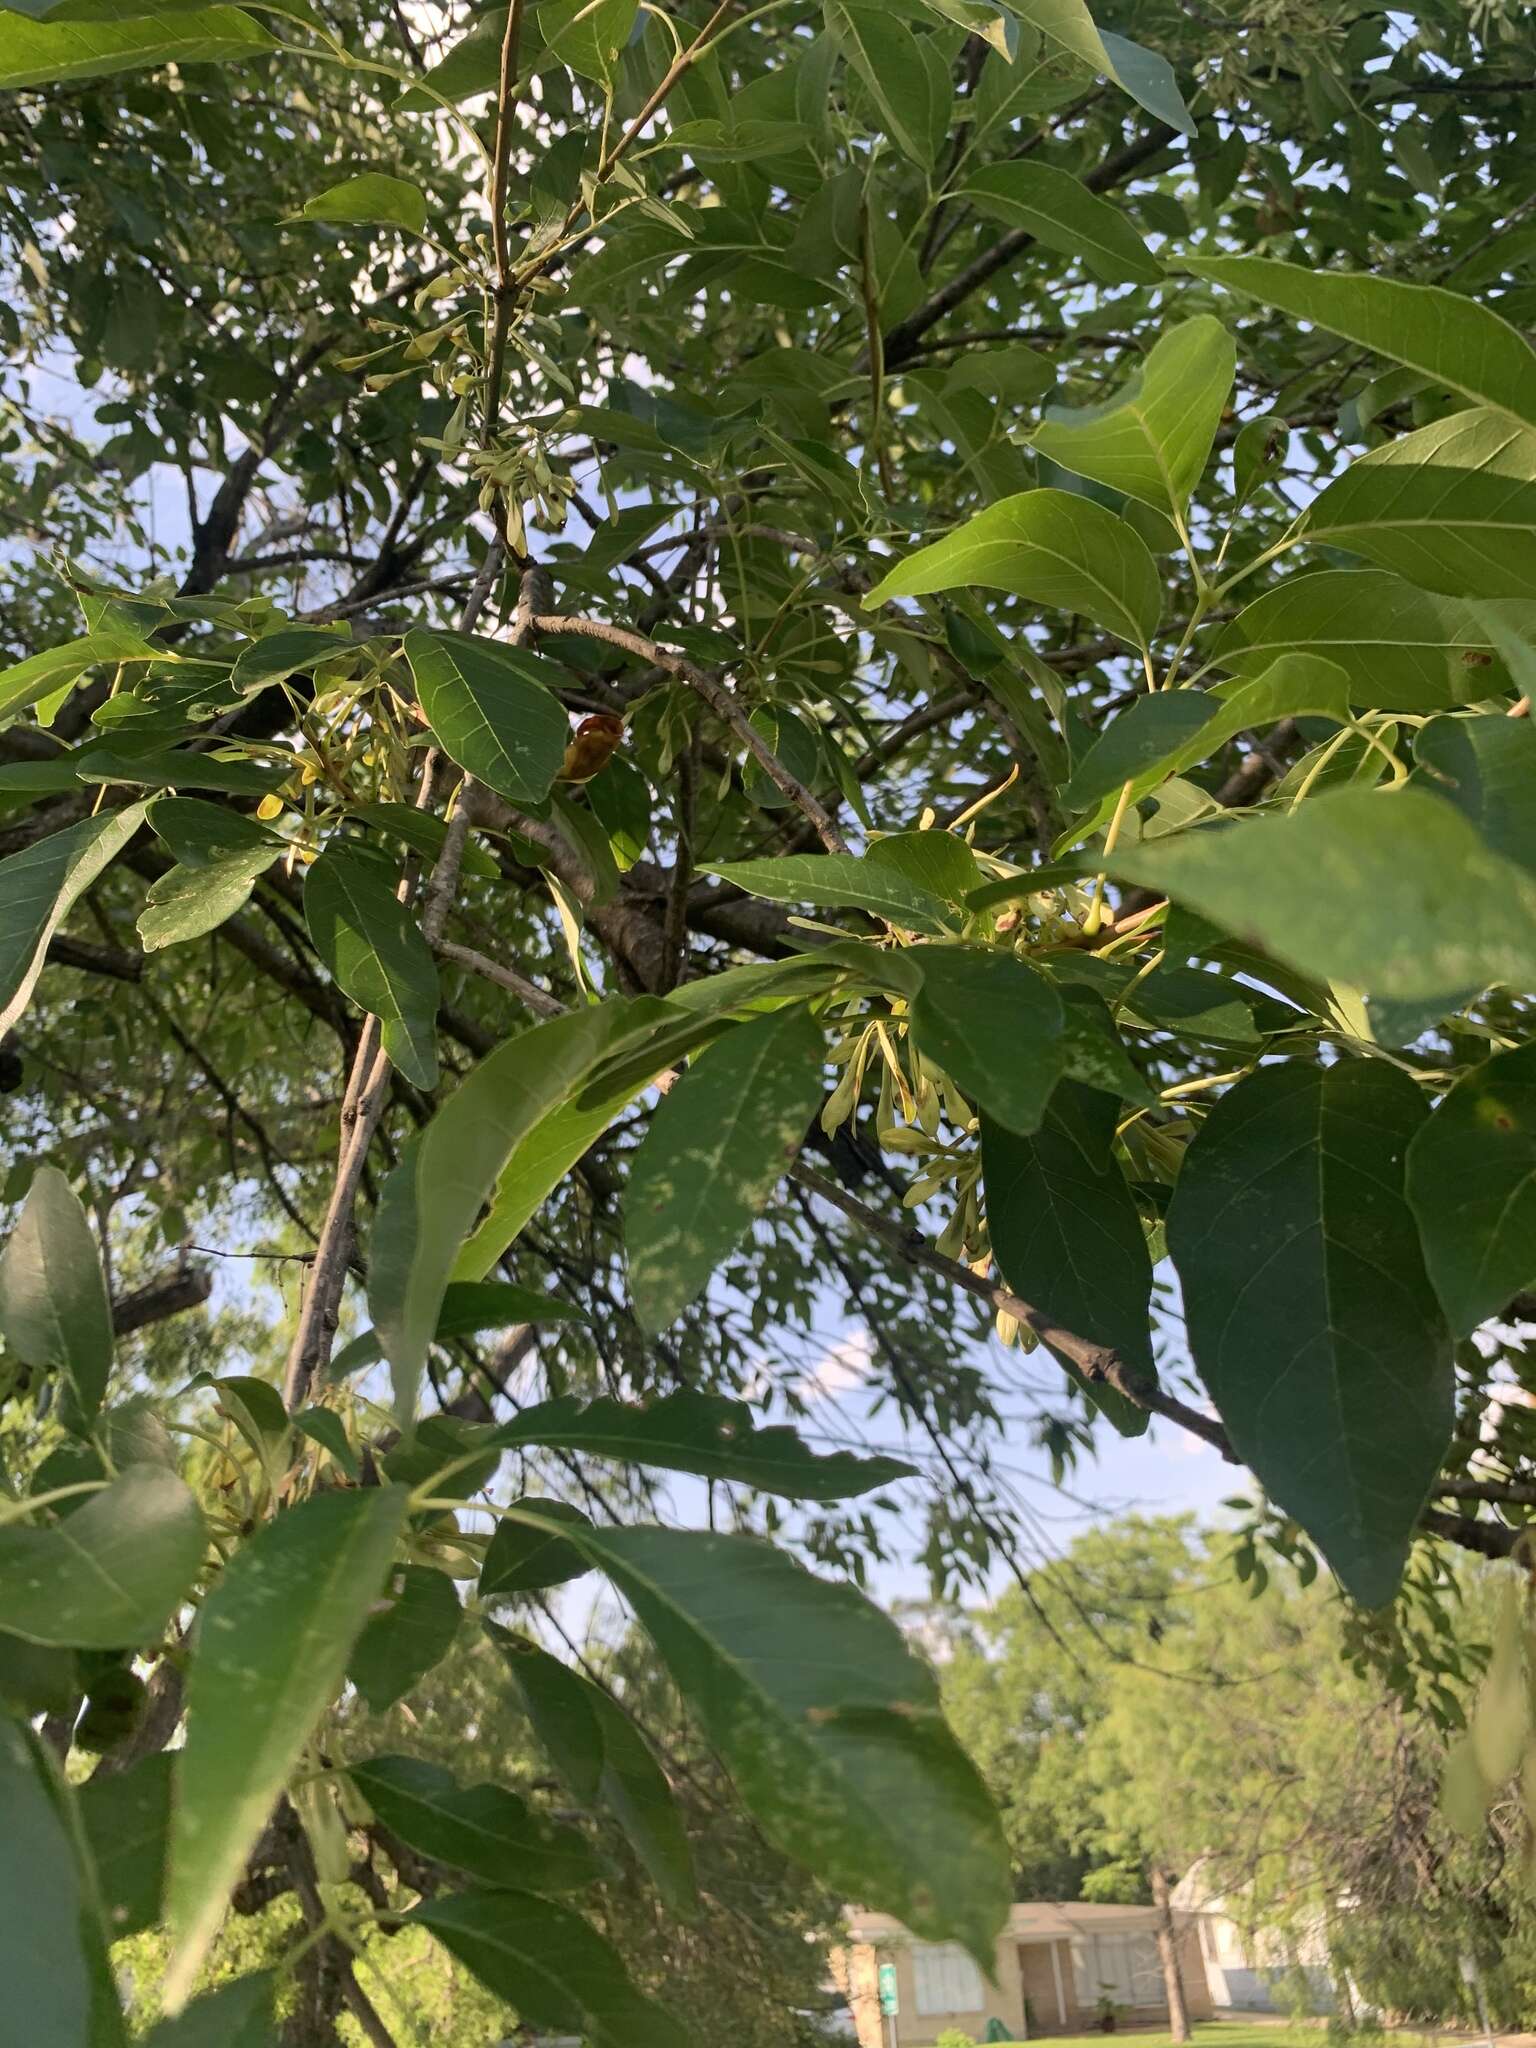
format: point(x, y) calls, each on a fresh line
point(1261, 1969)
point(1054, 1966)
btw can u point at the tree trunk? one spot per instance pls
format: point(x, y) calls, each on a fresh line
point(1168, 1954)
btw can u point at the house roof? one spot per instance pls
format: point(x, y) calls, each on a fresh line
point(1035, 1920)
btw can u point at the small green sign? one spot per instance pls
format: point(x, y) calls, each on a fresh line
point(890, 2004)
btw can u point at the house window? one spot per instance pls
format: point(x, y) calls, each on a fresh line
point(946, 1979)
point(1124, 1967)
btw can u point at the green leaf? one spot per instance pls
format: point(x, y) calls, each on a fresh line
point(588, 35)
point(487, 1831)
point(1402, 649)
point(830, 1727)
point(939, 862)
point(323, 1426)
point(1054, 548)
point(605, 1760)
point(839, 881)
point(1390, 891)
point(39, 887)
point(1311, 1319)
point(1486, 766)
point(1067, 1237)
point(1093, 1052)
point(110, 1575)
point(27, 682)
point(125, 1818)
point(1472, 1186)
point(1449, 338)
point(491, 709)
point(189, 902)
point(374, 947)
point(373, 197)
point(431, 1200)
point(424, 833)
point(200, 834)
point(995, 25)
point(407, 1637)
point(53, 1961)
point(1153, 439)
point(180, 768)
point(1060, 211)
point(237, 2015)
point(1451, 508)
point(54, 1312)
point(523, 1560)
point(1150, 732)
point(1293, 686)
point(993, 1023)
point(550, 1966)
point(718, 1146)
point(49, 53)
point(914, 96)
point(468, 1308)
point(290, 651)
point(272, 1647)
point(1148, 78)
point(706, 1434)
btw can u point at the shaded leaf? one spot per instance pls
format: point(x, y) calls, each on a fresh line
point(469, 1307)
point(272, 1647)
point(1311, 1319)
point(707, 1434)
point(718, 1145)
point(487, 1831)
point(605, 1760)
point(110, 1575)
point(237, 2015)
point(1486, 766)
point(839, 881)
point(411, 1635)
point(126, 1817)
point(550, 1966)
point(830, 1727)
point(58, 1987)
point(519, 1559)
point(1060, 211)
point(1472, 1186)
point(1067, 1237)
point(374, 947)
point(54, 1312)
point(38, 889)
point(491, 709)
point(993, 1023)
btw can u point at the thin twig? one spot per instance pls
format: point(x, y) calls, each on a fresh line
point(718, 697)
point(1098, 1363)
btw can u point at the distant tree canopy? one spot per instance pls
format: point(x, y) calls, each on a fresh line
point(1142, 1707)
point(675, 673)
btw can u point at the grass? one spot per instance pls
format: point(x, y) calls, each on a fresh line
point(1207, 2034)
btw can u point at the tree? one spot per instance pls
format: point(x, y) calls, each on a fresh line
point(1056, 508)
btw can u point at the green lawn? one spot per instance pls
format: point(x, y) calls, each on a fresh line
point(1207, 2034)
